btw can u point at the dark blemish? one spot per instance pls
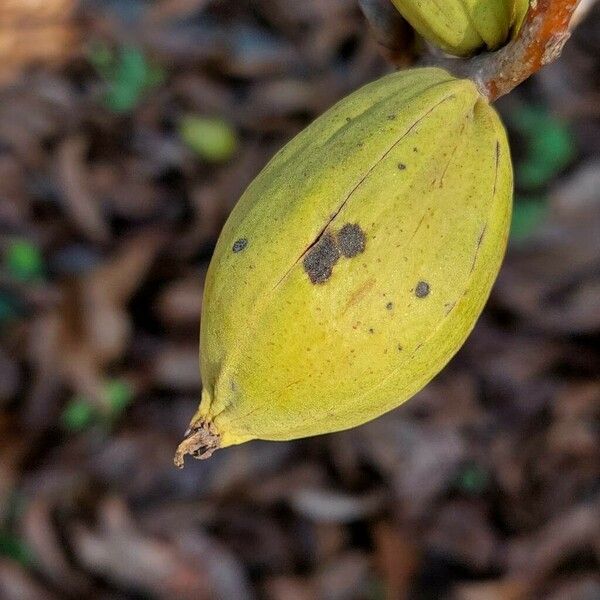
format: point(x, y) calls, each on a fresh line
point(351, 240)
point(239, 245)
point(401, 166)
point(348, 119)
point(371, 330)
point(400, 347)
point(389, 305)
point(319, 261)
point(422, 289)
point(391, 117)
point(415, 149)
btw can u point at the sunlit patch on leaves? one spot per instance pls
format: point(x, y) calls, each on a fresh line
point(128, 75)
point(214, 140)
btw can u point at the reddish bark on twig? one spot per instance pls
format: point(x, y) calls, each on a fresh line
point(539, 42)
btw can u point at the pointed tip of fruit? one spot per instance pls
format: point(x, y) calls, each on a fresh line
point(200, 441)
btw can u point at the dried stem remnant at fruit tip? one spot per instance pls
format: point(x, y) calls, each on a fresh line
point(200, 441)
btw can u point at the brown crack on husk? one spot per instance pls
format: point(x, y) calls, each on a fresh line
point(200, 441)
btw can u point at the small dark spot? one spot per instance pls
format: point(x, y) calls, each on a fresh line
point(319, 261)
point(389, 305)
point(415, 149)
point(348, 119)
point(400, 347)
point(401, 166)
point(239, 245)
point(391, 117)
point(422, 289)
point(371, 330)
point(351, 240)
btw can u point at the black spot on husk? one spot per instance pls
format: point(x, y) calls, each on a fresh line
point(422, 289)
point(239, 245)
point(351, 240)
point(319, 261)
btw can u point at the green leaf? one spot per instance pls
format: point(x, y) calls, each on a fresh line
point(15, 548)
point(528, 215)
point(24, 261)
point(212, 139)
point(128, 75)
point(78, 415)
point(119, 395)
point(549, 144)
point(7, 309)
point(473, 479)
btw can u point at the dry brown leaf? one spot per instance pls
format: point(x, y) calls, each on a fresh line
point(397, 558)
point(118, 551)
point(41, 535)
point(17, 584)
point(36, 32)
point(85, 210)
point(503, 589)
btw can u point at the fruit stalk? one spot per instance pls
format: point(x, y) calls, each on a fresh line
point(540, 41)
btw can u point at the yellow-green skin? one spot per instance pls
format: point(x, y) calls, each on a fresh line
point(418, 161)
point(463, 27)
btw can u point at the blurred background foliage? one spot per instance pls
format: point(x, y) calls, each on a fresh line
point(128, 129)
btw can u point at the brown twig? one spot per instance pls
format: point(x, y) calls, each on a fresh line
point(539, 41)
